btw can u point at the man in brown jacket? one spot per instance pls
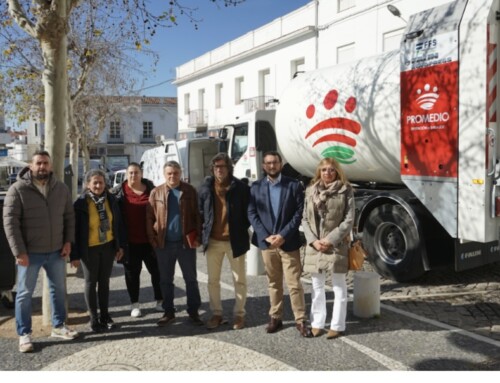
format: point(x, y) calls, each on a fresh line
point(39, 223)
point(173, 228)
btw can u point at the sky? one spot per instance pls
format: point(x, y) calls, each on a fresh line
point(182, 43)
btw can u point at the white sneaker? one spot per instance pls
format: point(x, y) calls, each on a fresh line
point(25, 344)
point(136, 310)
point(159, 306)
point(64, 332)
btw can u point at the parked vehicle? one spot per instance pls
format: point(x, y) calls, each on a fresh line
point(120, 176)
point(192, 154)
point(416, 132)
point(94, 164)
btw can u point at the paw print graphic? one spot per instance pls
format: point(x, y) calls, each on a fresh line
point(342, 144)
point(427, 97)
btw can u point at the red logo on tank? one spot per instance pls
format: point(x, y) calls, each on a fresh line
point(342, 144)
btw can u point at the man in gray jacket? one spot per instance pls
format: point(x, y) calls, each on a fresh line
point(39, 223)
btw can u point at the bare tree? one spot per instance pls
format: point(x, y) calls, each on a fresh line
point(47, 23)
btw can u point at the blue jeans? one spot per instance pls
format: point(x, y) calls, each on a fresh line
point(27, 276)
point(167, 257)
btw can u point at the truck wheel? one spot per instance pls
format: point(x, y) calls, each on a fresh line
point(392, 241)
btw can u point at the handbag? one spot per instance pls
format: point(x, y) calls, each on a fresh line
point(357, 255)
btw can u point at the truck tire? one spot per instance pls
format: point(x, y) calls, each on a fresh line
point(393, 243)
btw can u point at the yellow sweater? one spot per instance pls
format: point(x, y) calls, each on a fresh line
point(94, 223)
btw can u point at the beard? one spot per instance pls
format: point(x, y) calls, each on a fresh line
point(41, 176)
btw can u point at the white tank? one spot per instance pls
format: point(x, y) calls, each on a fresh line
point(350, 112)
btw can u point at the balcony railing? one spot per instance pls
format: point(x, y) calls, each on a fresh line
point(198, 119)
point(114, 139)
point(147, 139)
point(259, 103)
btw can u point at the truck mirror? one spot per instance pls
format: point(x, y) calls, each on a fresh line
point(223, 133)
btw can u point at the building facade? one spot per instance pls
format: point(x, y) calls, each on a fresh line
point(137, 124)
point(252, 71)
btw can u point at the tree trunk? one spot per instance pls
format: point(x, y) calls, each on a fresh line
point(55, 82)
point(53, 42)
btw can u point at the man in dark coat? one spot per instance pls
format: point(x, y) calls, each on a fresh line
point(275, 212)
point(223, 203)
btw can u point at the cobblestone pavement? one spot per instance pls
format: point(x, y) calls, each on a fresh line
point(468, 301)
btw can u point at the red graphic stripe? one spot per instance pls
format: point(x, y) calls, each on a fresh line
point(491, 59)
point(336, 123)
point(337, 138)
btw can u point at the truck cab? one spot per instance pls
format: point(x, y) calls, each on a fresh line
point(248, 139)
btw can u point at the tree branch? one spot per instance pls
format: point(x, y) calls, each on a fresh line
point(19, 15)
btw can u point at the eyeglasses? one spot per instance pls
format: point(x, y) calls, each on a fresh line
point(329, 170)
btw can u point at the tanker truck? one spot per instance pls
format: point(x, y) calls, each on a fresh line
point(415, 131)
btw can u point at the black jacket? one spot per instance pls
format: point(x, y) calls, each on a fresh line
point(80, 248)
point(237, 199)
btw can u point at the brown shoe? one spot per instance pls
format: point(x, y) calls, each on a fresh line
point(239, 323)
point(274, 325)
point(215, 322)
point(332, 334)
point(316, 332)
point(303, 329)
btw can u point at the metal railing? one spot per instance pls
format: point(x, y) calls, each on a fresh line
point(114, 139)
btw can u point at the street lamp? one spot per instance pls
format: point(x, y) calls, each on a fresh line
point(395, 12)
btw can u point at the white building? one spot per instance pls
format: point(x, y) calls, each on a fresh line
point(137, 126)
point(252, 71)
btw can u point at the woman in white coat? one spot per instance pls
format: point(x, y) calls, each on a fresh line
point(327, 222)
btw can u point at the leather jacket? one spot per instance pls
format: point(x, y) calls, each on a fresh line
point(157, 213)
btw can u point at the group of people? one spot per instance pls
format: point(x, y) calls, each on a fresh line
point(161, 226)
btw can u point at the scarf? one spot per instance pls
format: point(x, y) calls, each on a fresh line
point(100, 204)
point(321, 194)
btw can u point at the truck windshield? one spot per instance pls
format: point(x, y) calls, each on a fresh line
point(240, 141)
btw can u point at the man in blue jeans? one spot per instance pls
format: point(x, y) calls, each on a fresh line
point(39, 223)
point(173, 226)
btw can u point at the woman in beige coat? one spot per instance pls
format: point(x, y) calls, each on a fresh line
point(327, 221)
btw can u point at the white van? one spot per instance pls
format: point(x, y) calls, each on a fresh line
point(120, 176)
point(193, 154)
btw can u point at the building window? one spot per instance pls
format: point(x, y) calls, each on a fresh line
point(345, 53)
point(296, 66)
point(218, 96)
point(238, 90)
point(201, 99)
point(114, 129)
point(147, 129)
point(342, 5)
point(392, 40)
point(186, 103)
point(36, 129)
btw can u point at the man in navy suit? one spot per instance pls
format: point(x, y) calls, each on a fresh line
point(275, 212)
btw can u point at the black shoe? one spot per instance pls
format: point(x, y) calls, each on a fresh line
point(195, 318)
point(95, 326)
point(166, 319)
point(107, 322)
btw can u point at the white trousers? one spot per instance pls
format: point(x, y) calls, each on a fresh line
point(318, 304)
